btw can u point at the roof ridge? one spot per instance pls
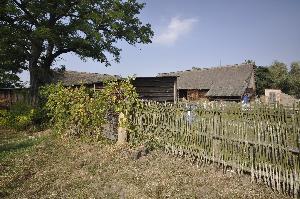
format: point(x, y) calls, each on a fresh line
point(210, 68)
point(89, 73)
point(213, 68)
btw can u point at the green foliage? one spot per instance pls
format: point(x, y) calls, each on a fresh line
point(13, 52)
point(3, 118)
point(35, 33)
point(277, 76)
point(9, 79)
point(295, 79)
point(263, 79)
point(20, 116)
point(66, 105)
point(79, 111)
point(249, 61)
point(121, 96)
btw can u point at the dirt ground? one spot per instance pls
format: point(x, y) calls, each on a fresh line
point(46, 166)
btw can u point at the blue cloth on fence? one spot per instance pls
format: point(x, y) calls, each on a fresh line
point(246, 99)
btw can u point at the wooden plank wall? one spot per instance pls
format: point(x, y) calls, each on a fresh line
point(262, 141)
point(11, 96)
point(194, 94)
point(158, 89)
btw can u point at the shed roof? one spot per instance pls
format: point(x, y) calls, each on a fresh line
point(71, 78)
point(220, 81)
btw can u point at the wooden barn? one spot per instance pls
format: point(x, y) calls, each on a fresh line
point(9, 96)
point(159, 89)
point(228, 83)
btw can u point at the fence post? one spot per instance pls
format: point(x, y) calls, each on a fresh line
point(122, 133)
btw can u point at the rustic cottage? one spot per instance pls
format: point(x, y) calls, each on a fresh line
point(159, 89)
point(228, 83)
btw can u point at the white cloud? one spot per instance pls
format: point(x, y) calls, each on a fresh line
point(176, 28)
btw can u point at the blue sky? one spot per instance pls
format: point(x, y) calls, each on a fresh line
point(203, 33)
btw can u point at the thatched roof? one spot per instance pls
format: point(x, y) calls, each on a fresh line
point(72, 78)
point(220, 81)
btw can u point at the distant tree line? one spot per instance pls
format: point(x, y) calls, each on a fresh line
point(278, 76)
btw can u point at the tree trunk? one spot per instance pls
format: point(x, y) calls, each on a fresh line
point(39, 76)
point(39, 72)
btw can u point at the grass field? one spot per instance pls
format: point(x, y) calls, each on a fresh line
point(42, 165)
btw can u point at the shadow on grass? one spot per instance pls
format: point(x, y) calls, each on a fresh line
point(16, 173)
point(17, 146)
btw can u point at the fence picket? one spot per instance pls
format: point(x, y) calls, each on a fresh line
point(263, 140)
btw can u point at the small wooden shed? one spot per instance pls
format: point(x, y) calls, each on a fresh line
point(159, 89)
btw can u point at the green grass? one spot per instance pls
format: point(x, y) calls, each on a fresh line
point(15, 147)
point(14, 143)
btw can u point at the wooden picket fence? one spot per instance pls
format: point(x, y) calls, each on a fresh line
point(260, 140)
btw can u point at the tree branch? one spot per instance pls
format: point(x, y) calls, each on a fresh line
point(28, 14)
point(62, 51)
point(66, 12)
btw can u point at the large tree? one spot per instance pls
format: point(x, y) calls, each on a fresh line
point(9, 79)
point(34, 33)
point(12, 57)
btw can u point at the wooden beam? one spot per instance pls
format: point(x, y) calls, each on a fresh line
point(175, 92)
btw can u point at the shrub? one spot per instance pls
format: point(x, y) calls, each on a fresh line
point(80, 111)
point(3, 118)
point(20, 116)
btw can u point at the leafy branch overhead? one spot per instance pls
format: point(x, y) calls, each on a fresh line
point(41, 31)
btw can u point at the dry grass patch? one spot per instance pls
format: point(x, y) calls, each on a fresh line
point(56, 168)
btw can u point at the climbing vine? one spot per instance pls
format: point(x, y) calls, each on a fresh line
point(82, 111)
